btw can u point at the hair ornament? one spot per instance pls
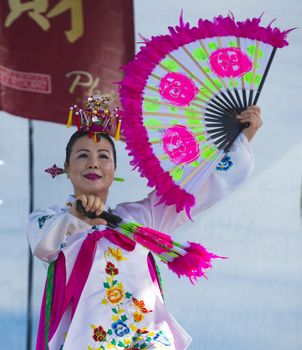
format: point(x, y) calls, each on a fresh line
point(96, 117)
point(54, 171)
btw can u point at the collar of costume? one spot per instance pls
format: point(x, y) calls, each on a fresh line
point(95, 117)
point(58, 295)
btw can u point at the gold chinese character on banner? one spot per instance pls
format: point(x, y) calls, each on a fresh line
point(37, 9)
point(34, 8)
point(77, 18)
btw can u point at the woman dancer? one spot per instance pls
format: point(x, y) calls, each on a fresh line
point(106, 292)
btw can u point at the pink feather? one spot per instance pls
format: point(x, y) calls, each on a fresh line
point(194, 262)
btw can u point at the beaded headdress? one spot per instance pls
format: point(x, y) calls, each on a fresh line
point(95, 117)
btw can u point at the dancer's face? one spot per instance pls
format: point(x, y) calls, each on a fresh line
point(91, 167)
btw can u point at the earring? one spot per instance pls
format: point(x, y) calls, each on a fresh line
point(119, 179)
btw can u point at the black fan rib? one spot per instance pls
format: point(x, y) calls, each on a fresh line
point(222, 127)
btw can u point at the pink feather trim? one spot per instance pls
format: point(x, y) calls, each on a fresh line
point(137, 73)
point(194, 262)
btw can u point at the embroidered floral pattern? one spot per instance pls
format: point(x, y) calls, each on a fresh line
point(42, 220)
point(225, 163)
point(99, 333)
point(141, 309)
point(137, 316)
point(127, 330)
point(115, 253)
point(161, 338)
point(120, 328)
point(111, 269)
point(115, 294)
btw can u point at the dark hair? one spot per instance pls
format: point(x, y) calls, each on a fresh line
point(77, 135)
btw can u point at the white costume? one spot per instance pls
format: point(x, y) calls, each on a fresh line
point(121, 306)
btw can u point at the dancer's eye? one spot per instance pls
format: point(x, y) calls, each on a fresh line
point(104, 156)
point(83, 155)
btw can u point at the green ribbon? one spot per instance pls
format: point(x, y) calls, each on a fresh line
point(160, 280)
point(49, 291)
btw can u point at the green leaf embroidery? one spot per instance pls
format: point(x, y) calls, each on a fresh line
point(106, 285)
point(124, 318)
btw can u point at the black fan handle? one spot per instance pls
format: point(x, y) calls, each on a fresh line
point(112, 220)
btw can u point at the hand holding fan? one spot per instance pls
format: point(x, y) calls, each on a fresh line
point(185, 259)
point(181, 96)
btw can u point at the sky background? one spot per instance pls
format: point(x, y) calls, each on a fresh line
point(252, 300)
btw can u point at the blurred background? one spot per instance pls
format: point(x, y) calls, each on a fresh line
point(250, 301)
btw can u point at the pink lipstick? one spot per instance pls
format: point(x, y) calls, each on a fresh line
point(92, 176)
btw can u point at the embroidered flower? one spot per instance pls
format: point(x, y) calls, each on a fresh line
point(142, 331)
point(137, 316)
point(115, 294)
point(140, 304)
point(224, 164)
point(116, 253)
point(161, 338)
point(127, 342)
point(120, 328)
point(111, 269)
point(99, 334)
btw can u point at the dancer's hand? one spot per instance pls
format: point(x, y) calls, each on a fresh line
point(92, 204)
point(251, 115)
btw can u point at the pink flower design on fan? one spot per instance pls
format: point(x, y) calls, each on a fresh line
point(180, 145)
point(178, 89)
point(230, 62)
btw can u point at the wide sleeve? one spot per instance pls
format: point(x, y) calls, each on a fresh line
point(219, 184)
point(48, 228)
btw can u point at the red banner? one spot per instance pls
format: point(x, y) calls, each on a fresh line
point(55, 52)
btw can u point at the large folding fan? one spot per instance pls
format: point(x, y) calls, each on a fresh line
point(181, 95)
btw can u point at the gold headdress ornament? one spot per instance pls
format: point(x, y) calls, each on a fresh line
point(96, 117)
